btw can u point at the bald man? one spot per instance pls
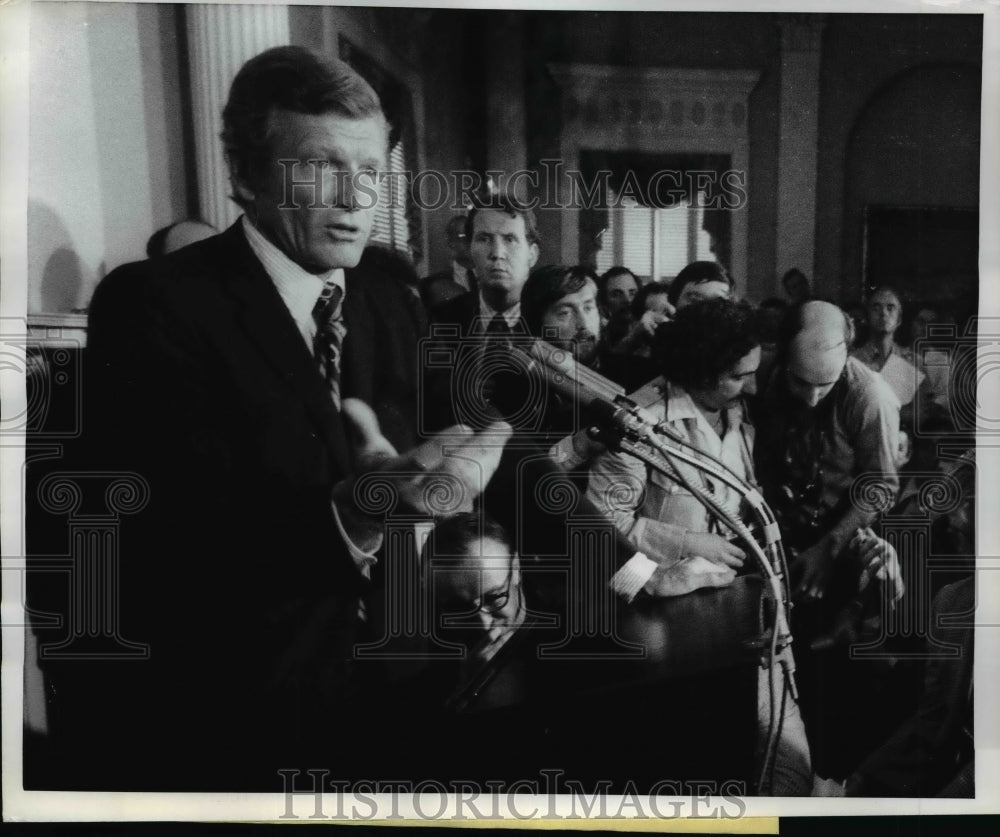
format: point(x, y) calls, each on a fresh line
point(827, 436)
point(830, 420)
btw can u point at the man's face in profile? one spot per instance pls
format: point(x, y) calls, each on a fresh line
point(732, 385)
point(325, 223)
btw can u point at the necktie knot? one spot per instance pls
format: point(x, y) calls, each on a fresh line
point(497, 326)
point(327, 305)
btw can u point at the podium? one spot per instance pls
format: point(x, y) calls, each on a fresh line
point(681, 711)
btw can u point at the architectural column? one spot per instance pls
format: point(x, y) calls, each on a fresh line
point(507, 138)
point(221, 38)
point(801, 36)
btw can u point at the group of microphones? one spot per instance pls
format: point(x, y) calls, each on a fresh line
point(622, 425)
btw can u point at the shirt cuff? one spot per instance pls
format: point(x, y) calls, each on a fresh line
point(632, 577)
point(363, 558)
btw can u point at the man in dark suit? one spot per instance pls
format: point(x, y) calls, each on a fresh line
point(504, 246)
point(385, 324)
point(212, 380)
point(468, 372)
point(438, 288)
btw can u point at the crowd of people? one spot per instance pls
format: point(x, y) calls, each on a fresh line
point(276, 382)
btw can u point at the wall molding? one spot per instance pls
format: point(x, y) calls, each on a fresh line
point(656, 110)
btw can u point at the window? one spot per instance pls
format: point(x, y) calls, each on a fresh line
point(654, 243)
point(390, 226)
point(397, 221)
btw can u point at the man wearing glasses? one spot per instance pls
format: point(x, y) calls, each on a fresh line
point(475, 578)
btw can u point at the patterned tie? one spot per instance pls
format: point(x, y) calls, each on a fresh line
point(330, 333)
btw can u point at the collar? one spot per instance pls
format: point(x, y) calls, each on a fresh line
point(298, 288)
point(512, 315)
point(873, 352)
point(680, 406)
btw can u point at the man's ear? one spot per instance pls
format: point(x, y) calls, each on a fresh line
point(533, 254)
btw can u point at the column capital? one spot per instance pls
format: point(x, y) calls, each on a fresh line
point(221, 38)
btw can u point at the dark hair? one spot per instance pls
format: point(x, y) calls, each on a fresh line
point(887, 289)
point(705, 340)
point(609, 274)
point(546, 286)
point(157, 244)
point(791, 273)
point(697, 273)
point(638, 305)
point(775, 302)
point(503, 202)
point(452, 537)
point(288, 78)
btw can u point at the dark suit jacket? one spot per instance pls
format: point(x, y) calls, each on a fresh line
point(460, 385)
point(381, 361)
point(461, 311)
point(522, 494)
point(235, 573)
point(443, 282)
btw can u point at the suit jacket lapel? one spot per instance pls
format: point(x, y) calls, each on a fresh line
point(358, 361)
point(268, 323)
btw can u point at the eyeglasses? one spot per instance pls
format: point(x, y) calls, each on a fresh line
point(493, 603)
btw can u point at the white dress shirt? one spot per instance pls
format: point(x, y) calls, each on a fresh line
point(299, 290)
point(512, 315)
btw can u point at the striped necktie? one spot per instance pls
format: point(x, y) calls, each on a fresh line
point(330, 333)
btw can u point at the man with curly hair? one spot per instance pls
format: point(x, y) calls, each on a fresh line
point(710, 351)
point(709, 354)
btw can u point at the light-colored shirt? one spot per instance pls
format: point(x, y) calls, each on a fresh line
point(860, 441)
point(899, 369)
point(653, 511)
point(299, 290)
point(512, 315)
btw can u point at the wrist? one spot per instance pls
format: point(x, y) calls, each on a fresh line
point(360, 528)
point(363, 532)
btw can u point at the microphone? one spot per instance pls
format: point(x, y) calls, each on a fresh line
point(604, 401)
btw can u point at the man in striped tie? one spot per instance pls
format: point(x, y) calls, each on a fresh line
point(470, 386)
point(218, 379)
